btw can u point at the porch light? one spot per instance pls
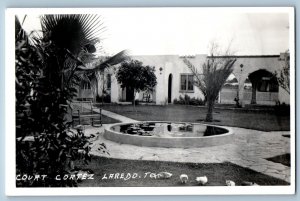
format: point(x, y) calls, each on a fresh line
point(160, 70)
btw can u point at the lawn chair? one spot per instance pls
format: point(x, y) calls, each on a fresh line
point(83, 112)
point(146, 97)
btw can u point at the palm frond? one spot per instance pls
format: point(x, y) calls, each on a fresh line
point(114, 60)
point(214, 74)
point(100, 65)
point(72, 32)
point(19, 31)
point(199, 78)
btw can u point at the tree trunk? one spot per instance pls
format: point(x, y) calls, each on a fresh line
point(102, 98)
point(209, 115)
point(134, 108)
point(133, 101)
point(253, 98)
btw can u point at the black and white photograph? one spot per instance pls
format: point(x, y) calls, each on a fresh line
point(150, 101)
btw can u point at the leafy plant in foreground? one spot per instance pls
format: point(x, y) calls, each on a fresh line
point(48, 71)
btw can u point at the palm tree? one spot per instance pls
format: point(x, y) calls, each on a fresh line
point(65, 50)
point(214, 74)
point(68, 44)
point(49, 67)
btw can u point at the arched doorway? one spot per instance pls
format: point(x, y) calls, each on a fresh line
point(247, 96)
point(229, 90)
point(264, 87)
point(85, 91)
point(170, 88)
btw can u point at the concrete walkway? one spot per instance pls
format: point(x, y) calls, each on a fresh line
point(117, 117)
point(250, 149)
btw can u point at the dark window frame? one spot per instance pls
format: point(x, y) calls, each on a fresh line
point(189, 88)
point(108, 81)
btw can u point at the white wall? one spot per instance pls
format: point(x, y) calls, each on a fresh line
point(283, 96)
point(115, 90)
point(173, 64)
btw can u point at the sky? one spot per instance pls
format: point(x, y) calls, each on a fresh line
point(188, 31)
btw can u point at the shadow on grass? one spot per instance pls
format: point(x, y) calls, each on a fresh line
point(284, 159)
point(216, 173)
point(204, 121)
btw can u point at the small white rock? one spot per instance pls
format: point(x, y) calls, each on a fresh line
point(184, 178)
point(202, 180)
point(164, 175)
point(230, 183)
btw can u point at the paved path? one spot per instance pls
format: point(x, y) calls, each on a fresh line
point(250, 150)
point(117, 117)
point(112, 115)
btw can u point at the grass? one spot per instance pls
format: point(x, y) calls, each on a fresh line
point(105, 120)
point(264, 120)
point(108, 120)
point(216, 173)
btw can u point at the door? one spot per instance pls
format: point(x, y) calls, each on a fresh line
point(129, 95)
point(170, 88)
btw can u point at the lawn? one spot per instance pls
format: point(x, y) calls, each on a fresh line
point(264, 120)
point(108, 120)
point(105, 120)
point(216, 173)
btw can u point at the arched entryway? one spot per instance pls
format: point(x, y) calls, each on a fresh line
point(264, 87)
point(85, 91)
point(229, 90)
point(170, 88)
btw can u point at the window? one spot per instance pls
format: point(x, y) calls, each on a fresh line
point(108, 81)
point(267, 84)
point(187, 83)
point(85, 85)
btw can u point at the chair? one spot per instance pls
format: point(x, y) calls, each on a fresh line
point(83, 112)
point(146, 97)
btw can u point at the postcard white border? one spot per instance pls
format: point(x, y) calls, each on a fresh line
point(10, 160)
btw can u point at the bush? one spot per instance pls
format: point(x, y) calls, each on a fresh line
point(41, 108)
point(40, 115)
point(105, 98)
point(187, 100)
point(53, 155)
point(282, 108)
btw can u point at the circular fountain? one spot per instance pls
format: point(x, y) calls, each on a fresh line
point(169, 134)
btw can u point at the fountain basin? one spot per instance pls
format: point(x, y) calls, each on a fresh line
point(169, 134)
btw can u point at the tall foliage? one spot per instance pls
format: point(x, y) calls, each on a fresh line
point(215, 72)
point(48, 71)
point(133, 75)
point(283, 76)
point(28, 66)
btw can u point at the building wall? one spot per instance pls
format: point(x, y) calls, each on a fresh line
point(170, 64)
point(283, 96)
point(173, 64)
point(250, 64)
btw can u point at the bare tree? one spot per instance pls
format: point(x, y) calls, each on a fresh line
point(215, 72)
point(284, 75)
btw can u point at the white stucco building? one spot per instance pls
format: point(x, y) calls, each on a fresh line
point(175, 79)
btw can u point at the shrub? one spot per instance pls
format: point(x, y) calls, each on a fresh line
point(187, 100)
point(42, 100)
point(282, 108)
point(105, 98)
point(40, 114)
point(52, 155)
